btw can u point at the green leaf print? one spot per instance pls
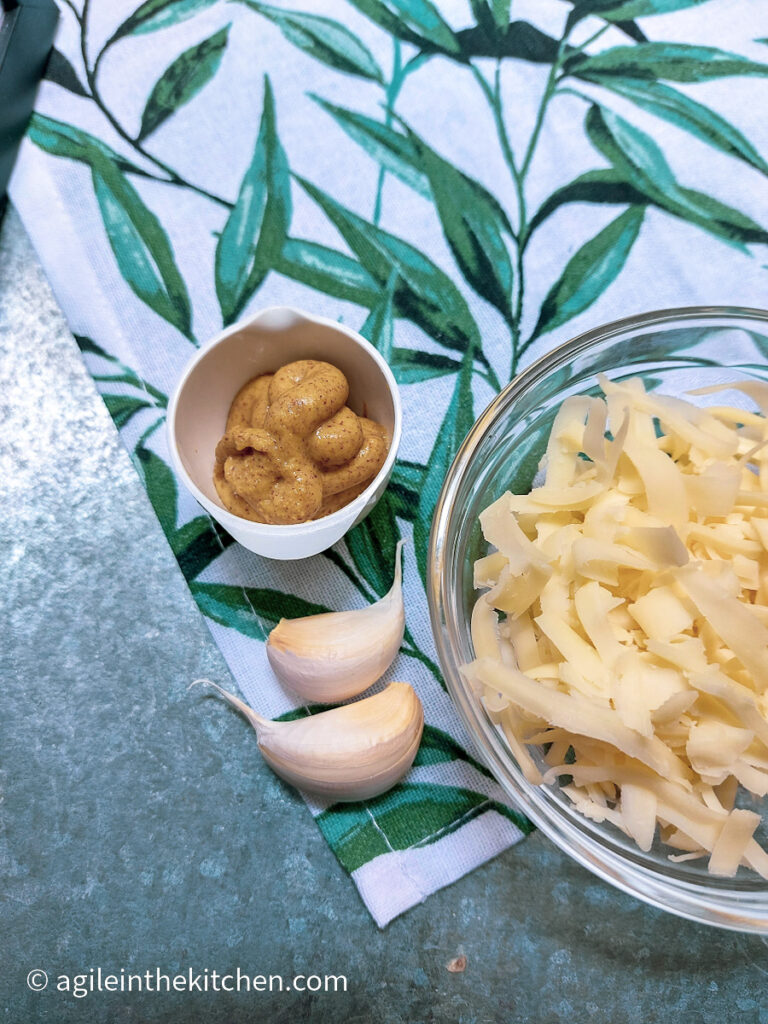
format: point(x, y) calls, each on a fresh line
point(501, 9)
point(636, 156)
point(670, 104)
point(631, 29)
point(520, 40)
point(405, 486)
point(618, 10)
point(437, 747)
point(160, 485)
point(409, 474)
point(59, 70)
point(195, 544)
point(89, 346)
point(590, 271)
point(198, 543)
point(250, 610)
point(126, 375)
point(492, 16)
point(372, 544)
point(414, 21)
point(183, 80)
point(123, 408)
point(379, 327)
point(141, 247)
point(326, 40)
point(486, 23)
point(718, 219)
point(157, 14)
point(66, 140)
point(425, 17)
point(412, 814)
point(425, 294)
point(381, 15)
point(605, 186)
point(632, 152)
point(395, 152)
point(256, 229)
point(674, 62)
point(160, 401)
point(457, 421)
point(411, 366)
point(474, 225)
point(328, 271)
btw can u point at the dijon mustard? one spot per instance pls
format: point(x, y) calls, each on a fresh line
point(293, 450)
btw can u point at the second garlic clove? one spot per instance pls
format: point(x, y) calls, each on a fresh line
point(354, 752)
point(331, 657)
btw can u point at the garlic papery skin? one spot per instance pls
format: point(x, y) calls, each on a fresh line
point(333, 656)
point(350, 753)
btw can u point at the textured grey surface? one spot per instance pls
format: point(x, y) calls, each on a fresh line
point(139, 828)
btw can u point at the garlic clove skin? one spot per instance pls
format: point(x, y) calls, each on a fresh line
point(353, 752)
point(331, 657)
point(350, 753)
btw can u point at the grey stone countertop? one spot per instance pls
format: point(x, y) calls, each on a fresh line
point(138, 831)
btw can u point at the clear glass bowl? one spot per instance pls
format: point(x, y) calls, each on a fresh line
point(673, 351)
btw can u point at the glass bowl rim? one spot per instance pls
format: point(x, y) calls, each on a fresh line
point(737, 910)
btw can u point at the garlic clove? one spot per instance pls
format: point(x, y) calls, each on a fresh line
point(336, 655)
point(354, 752)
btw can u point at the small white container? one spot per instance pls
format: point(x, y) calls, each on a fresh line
point(197, 416)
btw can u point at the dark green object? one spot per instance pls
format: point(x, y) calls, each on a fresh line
point(180, 82)
point(26, 34)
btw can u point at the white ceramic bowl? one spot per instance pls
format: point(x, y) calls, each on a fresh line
point(197, 415)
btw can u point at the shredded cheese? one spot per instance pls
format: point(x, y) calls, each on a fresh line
point(624, 619)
